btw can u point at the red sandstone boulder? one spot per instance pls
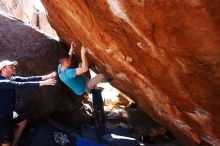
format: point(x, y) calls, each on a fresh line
point(163, 54)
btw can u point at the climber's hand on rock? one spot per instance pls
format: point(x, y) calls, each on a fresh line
point(72, 46)
point(83, 50)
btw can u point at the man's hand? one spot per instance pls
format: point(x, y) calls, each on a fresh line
point(83, 50)
point(72, 46)
point(48, 82)
point(51, 81)
point(53, 74)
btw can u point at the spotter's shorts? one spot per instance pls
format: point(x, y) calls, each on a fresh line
point(7, 129)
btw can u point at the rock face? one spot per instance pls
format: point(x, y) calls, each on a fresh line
point(30, 11)
point(36, 55)
point(163, 54)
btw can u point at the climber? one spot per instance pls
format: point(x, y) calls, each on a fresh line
point(8, 83)
point(73, 77)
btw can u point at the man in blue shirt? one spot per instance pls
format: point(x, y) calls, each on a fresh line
point(8, 83)
point(73, 77)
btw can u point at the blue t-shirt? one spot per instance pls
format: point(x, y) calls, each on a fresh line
point(74, 82)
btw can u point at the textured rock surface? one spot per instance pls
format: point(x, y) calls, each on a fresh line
point(29, 11)
point(36, 55)
point(164, 54)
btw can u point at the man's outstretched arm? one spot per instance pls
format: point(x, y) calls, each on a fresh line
point(71, 51)
point(34, 78)
point(49, 76)
point(84, 68)
point(8, 84)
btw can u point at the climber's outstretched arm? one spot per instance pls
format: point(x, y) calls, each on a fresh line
point(71, 51)
point(84, 68)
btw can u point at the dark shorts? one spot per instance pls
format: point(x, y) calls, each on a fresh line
point(7, 129)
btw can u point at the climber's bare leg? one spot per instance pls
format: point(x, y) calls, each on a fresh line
point(94, 81)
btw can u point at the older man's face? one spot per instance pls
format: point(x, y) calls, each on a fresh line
point(10, 70)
